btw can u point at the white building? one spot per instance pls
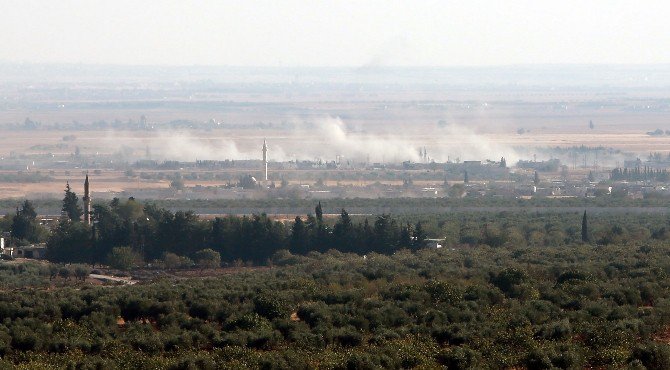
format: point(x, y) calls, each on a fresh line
point(434, 243)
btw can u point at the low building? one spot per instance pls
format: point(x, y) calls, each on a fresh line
point(34, 251)
point(434, 243)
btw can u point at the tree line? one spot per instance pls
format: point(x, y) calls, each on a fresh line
point(147, 232)
point(150, 232)
point(637, 174)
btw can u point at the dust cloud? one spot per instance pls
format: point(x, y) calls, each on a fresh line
point(324, 139)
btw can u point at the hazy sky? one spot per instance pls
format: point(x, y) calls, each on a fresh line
point(335, 33)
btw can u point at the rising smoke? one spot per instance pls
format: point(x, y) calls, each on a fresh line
point(326, 139)
point(188, 146)
point(464, 143)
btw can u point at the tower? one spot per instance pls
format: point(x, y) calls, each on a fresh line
point(265, 160)
point(87, 202)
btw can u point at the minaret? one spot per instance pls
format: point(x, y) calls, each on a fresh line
point(265, 160)
point(87, 202)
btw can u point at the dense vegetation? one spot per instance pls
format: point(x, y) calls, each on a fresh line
point(509, 290)
point(137, 232)
point(637, 174)
point(376, 205)
point(482, 307)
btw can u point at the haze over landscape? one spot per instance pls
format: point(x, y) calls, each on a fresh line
point(334, 184)
point(343, 33)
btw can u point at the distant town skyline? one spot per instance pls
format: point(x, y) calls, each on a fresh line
point(335, 33)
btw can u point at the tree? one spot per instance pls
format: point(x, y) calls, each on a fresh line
point(366, 238)
point(28, 210)
point(174, 261)
point(123, 258)
point(299, 237)
point(585, 230)
point(508, 278)
point(24, 224)
point(536, 178)
point(270, 306)
point(419, 239)
point(320, 231)
point(260, 238)
point(465, 178)
point(503, 162)
point(109, 231)
point(177, 184)
point(591, 177)
point(180, 232)
point(65, 273)
point(81, 272)
point(318, 211)
point(386, 234)
point(70, 242)
point(207, 258)
point(343, 233)
point(130, 210)
point(71, 207)
point(405, 238)
point(653, 355)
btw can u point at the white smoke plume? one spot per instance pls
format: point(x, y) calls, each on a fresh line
point(463, 143)
point(447, 143)
point(186, 146)
point(329, 137)
point(324, 139)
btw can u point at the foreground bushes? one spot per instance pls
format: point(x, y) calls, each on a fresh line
point(562, 307)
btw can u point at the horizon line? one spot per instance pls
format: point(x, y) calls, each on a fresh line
point(354, 67)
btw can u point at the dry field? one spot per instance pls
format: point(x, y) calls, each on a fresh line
point(458, 123)
point(108, 180)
